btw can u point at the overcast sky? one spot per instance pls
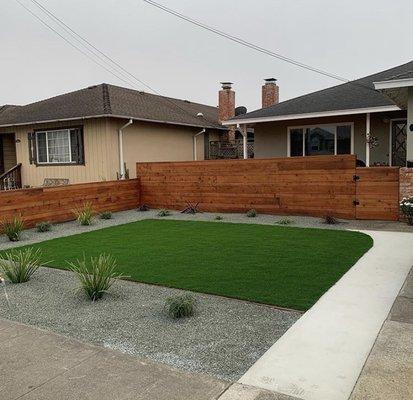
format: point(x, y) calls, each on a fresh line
point(348, 38)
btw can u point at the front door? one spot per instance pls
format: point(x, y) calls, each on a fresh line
point(398, 142)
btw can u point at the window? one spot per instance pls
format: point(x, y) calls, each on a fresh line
point(57, 146)
point(320, 140)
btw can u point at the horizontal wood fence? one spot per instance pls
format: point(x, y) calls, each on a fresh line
point(56, 204)
point(315, 186)
point(298, 185)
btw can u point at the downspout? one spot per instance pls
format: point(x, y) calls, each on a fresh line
point(121, 160)
point(244, 134)
point(194, 142)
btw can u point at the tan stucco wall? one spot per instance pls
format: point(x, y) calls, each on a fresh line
point(271, 137)
point(142, 142)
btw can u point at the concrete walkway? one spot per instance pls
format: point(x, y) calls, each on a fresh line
point(35, 364)
point(321, 356)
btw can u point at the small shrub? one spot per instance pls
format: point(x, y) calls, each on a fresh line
point(84, 215)
point(219, 218)
point(96, 277)
point(163, 213)
point(406, 208)
point(285, 221)
point(44, 226)
point(180, 306)
point(19, 265)
point(106, 215)
point(251, 213)
point(143, 207)
point(330, 220)
point(12, 228)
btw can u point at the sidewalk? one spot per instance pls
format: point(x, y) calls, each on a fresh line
point(35, 364)
point(388, 372)
point(321, 356)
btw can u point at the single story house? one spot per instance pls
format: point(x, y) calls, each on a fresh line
point(367, 117)
point(99, 133)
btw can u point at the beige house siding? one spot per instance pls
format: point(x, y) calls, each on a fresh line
point(143, 141)
point(271, 137)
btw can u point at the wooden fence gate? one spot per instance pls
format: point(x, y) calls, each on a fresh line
point(377, 193)
point(314, 186)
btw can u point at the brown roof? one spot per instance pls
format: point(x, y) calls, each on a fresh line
point(115, 101)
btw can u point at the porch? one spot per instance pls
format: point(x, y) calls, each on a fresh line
point(10, 170)
point(375, 138)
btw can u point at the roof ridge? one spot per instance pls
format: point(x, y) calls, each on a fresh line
point(107, 108)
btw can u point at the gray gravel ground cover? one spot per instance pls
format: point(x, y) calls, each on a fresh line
point(124, 217)
point(223, 339)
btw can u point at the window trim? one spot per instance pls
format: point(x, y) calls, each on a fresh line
point(63, 128)
point(332, 125)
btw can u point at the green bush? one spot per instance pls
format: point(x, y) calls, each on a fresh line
point(44, 226)
point(163, 213)
point(12, 228)
point(285, 221)
point(406, 208)
point(96, 277)
point(19, 265)
point(106, 215)
point(180, 306)
point(330, 220)
point(219, 218)
point(84, 215)
point(251, 213)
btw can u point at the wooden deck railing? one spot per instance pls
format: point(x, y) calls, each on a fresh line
point(11, 179)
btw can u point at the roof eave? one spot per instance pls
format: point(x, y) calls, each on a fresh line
point(311, 115)
point(209, 126)
point(393, 83)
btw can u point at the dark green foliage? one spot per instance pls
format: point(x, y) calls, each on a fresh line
point(180, 306)
point(44, 226)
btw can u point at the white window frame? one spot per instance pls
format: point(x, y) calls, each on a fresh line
point(334, 126)
point(47, 147)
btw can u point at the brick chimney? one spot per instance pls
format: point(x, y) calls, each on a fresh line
point(226, 102)
point(270, 92)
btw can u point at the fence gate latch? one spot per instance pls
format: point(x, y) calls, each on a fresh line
point(356, 202)
point(356, 178)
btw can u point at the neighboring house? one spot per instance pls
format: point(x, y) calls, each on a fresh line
point(351, 118)
point(99, 133)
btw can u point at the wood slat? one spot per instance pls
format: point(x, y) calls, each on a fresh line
point(56, 204)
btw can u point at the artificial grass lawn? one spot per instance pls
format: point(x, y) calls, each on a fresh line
point(283, 266)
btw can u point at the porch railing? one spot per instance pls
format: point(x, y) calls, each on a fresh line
point(233, 149)
point(11, 179)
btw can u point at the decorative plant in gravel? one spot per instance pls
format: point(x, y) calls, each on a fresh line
point(219, 218)
point(44, 226)
point(285, 221)
point(143, 207)
point(406, 208)
point(12, 228)
point(19, 265)
point(84, 215)
point(163, 213)
point(106, 215)
point(251, 213)
point(180, 306)
point(330, 220)
point(97, 276)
